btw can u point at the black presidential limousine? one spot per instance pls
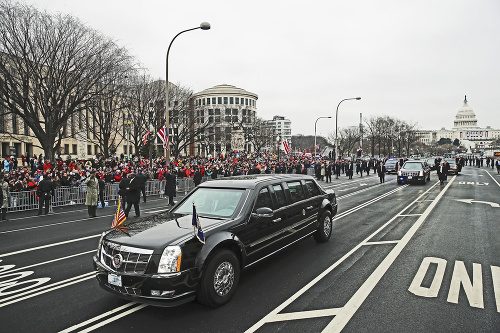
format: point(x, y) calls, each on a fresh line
point(164, 260)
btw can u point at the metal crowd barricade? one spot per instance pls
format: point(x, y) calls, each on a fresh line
point(75, 195)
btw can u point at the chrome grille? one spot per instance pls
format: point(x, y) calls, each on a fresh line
point(131, 260)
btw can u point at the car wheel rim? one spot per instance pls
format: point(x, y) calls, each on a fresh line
point(223, 278)
point(327, 226)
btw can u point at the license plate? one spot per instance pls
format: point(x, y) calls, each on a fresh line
point(115, 279)
point(410, 177)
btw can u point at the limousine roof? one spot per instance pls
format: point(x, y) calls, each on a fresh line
point(251, 181)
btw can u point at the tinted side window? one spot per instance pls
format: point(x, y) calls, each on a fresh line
point(280, 195)
point(296, 191)
point(313, 188)
point(263, 199)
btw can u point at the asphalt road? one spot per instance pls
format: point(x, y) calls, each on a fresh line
point(411, 258)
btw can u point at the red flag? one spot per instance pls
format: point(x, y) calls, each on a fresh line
point(163, 135)
point(145, 139)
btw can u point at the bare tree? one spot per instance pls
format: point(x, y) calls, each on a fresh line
point(261, 134)
point(51, 67)
point(348, 139)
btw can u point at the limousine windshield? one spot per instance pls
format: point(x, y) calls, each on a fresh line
point(218, 202)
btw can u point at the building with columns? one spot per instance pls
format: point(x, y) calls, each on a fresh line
point(466, 129)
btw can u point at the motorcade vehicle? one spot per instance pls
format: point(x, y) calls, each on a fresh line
point(414, 171)
point(391, 166)
point(454, 168)
point(431, 162)
point(198, 249)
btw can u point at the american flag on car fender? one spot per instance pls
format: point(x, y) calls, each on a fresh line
point(119, 218)
point(196, 224)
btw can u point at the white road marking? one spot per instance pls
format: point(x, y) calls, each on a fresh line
point(118, 316)
point(473, 289)
point(276, 312)
point(432, 291)
point(492, 178)
point(352, 306)
point(49, 245)
point(470, 201)
point(46, 289)
point(305, 314)
point(46, 262)
point(495, 275)
point(85, 323)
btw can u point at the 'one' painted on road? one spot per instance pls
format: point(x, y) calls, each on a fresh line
point(473, 288)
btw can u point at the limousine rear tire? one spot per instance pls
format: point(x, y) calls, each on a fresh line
point(324, 231)
point(220, 279)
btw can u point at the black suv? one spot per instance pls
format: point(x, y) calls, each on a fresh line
point(164, 260)
point(417, 171)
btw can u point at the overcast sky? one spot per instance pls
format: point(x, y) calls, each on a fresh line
point(414, 60)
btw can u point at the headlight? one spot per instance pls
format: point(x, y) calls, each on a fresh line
point(421, 173)
point(170, 260)
point(400, 173)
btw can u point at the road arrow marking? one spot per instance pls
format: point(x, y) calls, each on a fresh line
point(362, 184)
point(470, 201)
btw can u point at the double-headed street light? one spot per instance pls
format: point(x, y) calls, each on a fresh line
point(315, 133)
point(336, 123)
point(203, 26)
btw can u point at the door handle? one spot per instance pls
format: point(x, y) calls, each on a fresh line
point(310, 207)
point(277, 220)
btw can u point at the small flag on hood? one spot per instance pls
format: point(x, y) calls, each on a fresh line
point(196, 224)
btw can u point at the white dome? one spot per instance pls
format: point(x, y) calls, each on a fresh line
point(465, 118)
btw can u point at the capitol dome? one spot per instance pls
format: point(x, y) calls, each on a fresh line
point(465, 118)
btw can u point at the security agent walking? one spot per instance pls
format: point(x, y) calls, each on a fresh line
point(170, 187)
point(381, 170)
point(5, 197)
point(44, 192)
point(142, 179)
point(133, 196)
point(442, 172)
point(92, 194)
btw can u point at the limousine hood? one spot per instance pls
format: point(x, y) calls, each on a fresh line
point(155, 232)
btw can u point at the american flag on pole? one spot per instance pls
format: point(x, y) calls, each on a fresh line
point(119, 218)
point(145, 138)
point(196, 224)
point(163, 135)
point(286, 147)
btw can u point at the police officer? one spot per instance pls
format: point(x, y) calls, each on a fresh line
point(44, 192)
point(142, 179)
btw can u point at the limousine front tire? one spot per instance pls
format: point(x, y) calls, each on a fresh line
point(220, 279)
point(324, 231)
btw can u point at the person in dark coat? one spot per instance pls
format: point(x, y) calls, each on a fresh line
point(44, 192)
point(142, 179)
point(349, 171)
point(170, 187)
point(123, 188)
point(133, 196)
point(197, 176)
point(92, 194)
point(442, 172)
point(381, 170)
point(337, 169)
point(102, 185)
point(328, 172)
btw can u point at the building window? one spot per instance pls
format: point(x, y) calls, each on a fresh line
point(217, 112)
point(208, 101)
point(219, 100)
point(227, 119)
point(237, 100)
point(89, 150)
point(210, 112)
point(235, 119)
point(213, 100)
point(235, 112)
point(225, 100)
point(74, 148)
point(231, 100)
point(246, 101)
point(228, 112)
point(203, 101)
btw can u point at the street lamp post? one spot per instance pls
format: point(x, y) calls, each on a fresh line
point(128, 123)
point(336, 123)
point(315, 133)
point(203, 26)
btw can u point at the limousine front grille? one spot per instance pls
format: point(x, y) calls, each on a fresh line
point(125, 259)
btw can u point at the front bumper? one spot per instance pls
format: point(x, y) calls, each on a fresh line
point(409, 179)
point(167, 291)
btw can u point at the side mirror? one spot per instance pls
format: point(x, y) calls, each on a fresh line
point(262, 212)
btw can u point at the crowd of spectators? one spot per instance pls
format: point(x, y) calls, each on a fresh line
point(25, 175)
